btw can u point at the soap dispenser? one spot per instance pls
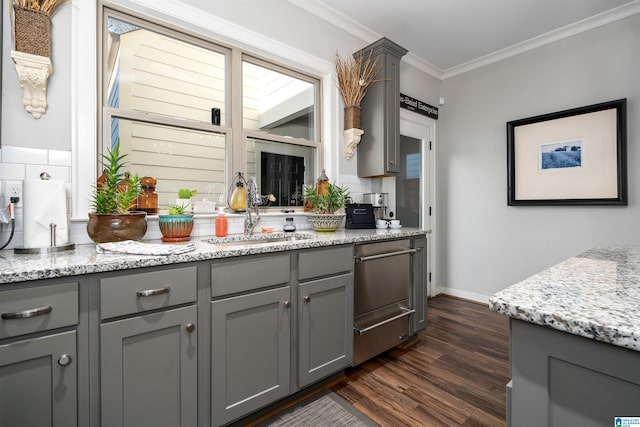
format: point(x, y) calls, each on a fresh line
point(222, 224)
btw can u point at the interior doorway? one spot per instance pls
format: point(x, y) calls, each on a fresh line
point(415, 184)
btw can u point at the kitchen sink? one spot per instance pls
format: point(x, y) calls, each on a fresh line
point(258, 239)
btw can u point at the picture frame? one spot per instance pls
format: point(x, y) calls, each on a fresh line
point(570, 157)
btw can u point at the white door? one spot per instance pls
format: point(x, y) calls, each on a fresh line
point(415, 184)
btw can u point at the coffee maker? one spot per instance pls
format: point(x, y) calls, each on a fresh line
point(380, 203)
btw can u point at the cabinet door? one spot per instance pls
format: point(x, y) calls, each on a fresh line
point(325, 313)
point(391, 68)
point(420, 281)
point(38, 384)
point(149, 370)
point(250, 352)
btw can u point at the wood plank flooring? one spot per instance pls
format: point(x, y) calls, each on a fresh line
point(454, 374)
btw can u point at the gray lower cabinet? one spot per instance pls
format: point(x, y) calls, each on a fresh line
point(149, 370)
point(250, 352)
point(38, 384)
point(420, 272)
point(325, 327)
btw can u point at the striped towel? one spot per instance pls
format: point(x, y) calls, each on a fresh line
point(132, 247)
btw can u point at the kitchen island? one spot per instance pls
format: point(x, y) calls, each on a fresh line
point(574, 337)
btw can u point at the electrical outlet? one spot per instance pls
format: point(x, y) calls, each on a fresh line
point(13, 189)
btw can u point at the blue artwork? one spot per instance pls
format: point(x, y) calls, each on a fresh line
point(560, 155)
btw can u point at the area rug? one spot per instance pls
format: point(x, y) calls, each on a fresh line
point(323, 409)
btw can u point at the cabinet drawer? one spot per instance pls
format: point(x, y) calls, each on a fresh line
point(246, 274)
point(41, 308)
point(325, 261)
point(135, 293)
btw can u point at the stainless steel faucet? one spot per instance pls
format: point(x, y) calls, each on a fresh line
point(254, 200)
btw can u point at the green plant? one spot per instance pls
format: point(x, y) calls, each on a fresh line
point(329, 202)
point(116, 191)
point(185, 193)
point(176, 209)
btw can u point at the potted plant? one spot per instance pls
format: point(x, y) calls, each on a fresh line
point(184, 198)
point(327, 213)
point(114, 201)
point(176, 225)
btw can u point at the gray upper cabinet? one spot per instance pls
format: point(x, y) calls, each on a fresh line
point(379, 149)
point(420, 272)
point(38, 373)
point(149, 370)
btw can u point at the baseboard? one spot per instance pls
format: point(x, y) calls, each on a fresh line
point(471, 296)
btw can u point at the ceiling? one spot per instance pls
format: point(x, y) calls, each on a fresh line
point(450, 35)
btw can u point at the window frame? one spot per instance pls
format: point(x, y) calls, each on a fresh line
point(235, 135)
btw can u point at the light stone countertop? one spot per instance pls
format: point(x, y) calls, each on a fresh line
point(85, 260)
point(595, 295)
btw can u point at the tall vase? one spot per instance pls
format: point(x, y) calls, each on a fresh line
point(351, 117)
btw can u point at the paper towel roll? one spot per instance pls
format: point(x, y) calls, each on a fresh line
point(45, 202)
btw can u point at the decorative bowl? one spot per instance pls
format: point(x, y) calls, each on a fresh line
point(325, 222)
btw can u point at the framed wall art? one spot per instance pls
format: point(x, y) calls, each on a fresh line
point(571, 157)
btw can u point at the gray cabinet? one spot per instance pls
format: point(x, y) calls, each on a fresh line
point(38, 362)
point(250, 352)
point(420, 277)
point(325, 327)
point(379, 150)
point(38, 381)
point(149, 370)
point(325, 312)
point(149, 360)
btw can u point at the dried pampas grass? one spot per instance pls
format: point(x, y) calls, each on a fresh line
point(48, 7)
point(355, 75)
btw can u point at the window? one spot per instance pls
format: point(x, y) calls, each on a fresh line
point(166, 97)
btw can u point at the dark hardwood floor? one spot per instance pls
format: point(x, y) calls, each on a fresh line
point(454, 374)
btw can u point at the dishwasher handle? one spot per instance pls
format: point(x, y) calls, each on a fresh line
point(405, 312)
point(361, 259)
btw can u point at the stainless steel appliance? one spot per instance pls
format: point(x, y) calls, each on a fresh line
point(359, 216)
point(380, 203)
point(382, 285)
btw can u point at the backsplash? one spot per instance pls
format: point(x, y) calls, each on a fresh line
point(20, 163)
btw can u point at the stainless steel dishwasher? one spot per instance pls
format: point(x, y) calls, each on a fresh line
point(382, 285)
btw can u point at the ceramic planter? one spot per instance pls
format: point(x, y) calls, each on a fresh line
point(104, 228)
point(175, 228)
point(325, 222)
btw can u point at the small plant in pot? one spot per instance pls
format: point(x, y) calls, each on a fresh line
point(328, 207)
point(176, 225)
point(114, 218)
point(184, 198)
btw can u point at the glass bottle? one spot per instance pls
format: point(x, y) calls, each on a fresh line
point(289, 226)
point(322, 187)
point(148, 200)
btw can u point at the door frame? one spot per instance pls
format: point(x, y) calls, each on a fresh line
point(424, 128)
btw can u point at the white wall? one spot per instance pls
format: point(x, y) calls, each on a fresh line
point(485, 245)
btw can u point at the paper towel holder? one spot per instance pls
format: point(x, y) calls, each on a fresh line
point(52, 228)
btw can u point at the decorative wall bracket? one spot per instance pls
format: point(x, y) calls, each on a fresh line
point(33, 72)
point(351, 139)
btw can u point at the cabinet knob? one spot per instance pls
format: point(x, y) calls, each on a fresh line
point(391, 162)
point(190, 327)
point(306, 298)
point(64, 360)
point(287, 304)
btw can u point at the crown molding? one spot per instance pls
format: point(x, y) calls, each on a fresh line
point(587, 24)
point(329, 14)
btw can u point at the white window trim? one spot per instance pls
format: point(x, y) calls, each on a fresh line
point(85, 82)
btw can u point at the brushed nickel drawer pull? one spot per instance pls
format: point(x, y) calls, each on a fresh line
point(286, 304)
point(64, 360)
point(151, 292)
point(405, 312)
point(25, 314)
point(307, 298)
point(361, 259)
point(190, 327)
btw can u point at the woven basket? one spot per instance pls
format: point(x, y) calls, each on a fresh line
point(351, 117)
point(33, 32)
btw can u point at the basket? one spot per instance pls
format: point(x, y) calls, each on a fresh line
point(351, 117)
point(33, 31)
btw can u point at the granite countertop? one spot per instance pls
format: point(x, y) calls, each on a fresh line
point(595, 295)
point(85, 260)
